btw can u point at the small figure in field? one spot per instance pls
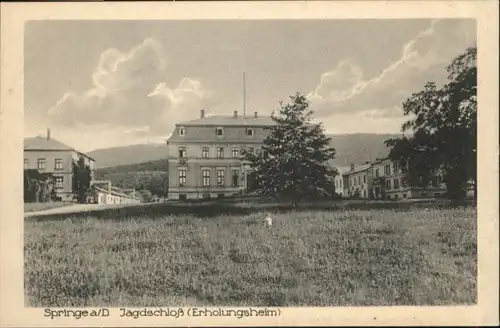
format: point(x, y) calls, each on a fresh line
point(269, 220)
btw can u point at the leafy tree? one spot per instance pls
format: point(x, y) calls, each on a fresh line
point(82, 177)
point(146, 196)
point(38, 187)
point(443, 128)
point(293, 163)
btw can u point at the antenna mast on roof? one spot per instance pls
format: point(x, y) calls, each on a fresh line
point(244, 94)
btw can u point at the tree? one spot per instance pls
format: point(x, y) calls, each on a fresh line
point(146, 196)
point(82, 177)
point(38, 187)
point(293, 163)
point(443, 128)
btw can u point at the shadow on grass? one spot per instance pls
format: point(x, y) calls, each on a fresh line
point(210, 209)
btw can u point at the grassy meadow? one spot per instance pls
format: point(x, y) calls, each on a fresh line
point(308, 258)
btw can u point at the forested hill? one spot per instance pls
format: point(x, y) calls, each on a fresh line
point(144, 167)
point(351, 148)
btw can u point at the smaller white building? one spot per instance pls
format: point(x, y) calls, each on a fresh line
point(339, 179)
point(112, 195)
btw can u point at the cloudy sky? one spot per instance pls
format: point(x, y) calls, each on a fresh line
point(100, 84)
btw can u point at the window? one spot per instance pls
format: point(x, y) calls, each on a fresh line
point(235, 152)
point(220, 195)
point(395, 167)
point(26, 164)
point(364, 178)
point(404, 182)
point(219, 132)
point(250, 150)
point(41, 164)
point(387, 169)
point(220, 152)
point(182, 177)
point(206, 177)
point(206, 196)
point(182, 152)
point(364, 193)
point(359, 180)
point(58, 164)
point(388, 184)
point(182, 131)
point(249, 132)
point(235, 178)
point(204, 152)
point(258, 151)
point(377, 173)
point(59, 182)
point(404, 195)
point(396, 183)
point(220, 177)
point(182, 196)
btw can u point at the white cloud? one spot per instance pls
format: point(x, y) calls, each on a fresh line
point(129, 93)
point(424, 58)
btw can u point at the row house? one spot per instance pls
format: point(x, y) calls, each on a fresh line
point(382, 179)
point(205, 155)
point(390, 182)
point(357, 181)
point(48, 155)
point(340, 179)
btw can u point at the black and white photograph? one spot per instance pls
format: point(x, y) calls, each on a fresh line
point(237, 168)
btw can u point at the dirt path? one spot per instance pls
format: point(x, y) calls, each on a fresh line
point(76, 208)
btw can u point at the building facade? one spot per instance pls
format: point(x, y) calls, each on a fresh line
point(205, 155)
point(104, 193)
point(48, 155)
point(390, 182)
point(358, 181)
point(341, 180)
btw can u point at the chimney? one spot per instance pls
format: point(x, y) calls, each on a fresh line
point(254, 114)
point(48, 134)
point(235, 114)
point(352, 167)
point(202, 113)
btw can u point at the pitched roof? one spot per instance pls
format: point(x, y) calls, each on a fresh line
point(358, 168)
point(42, 143)
point(343, 169)
point(229, 120)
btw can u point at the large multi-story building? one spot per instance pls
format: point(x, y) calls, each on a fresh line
point(205, 155)
point(48, 155)
point(358, 181)
point(390, 182)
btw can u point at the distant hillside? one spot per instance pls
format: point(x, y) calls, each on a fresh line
point(118, 156)
point(359, 147)
point(351, 148)
point(145, 166)
point(148, 176)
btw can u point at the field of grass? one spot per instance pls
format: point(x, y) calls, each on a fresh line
point(309, 258)
point(35, 207)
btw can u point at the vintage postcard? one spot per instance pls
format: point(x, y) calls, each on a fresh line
point(249, 163)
